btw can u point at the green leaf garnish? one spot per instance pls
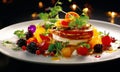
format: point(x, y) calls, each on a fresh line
point(20, 33)
point(57, 46)
point(6, 42)
point(51, 47)
point(84, 44)
point(17, 48)
point(83, 20)
point(54, 10)
point(44, 16)
point(48, 26)
point(72, 24)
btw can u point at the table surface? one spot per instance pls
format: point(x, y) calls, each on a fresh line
point(14, 65)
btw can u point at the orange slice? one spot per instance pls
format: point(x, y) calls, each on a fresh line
point(70, 14)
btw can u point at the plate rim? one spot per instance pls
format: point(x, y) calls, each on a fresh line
point(93, 20)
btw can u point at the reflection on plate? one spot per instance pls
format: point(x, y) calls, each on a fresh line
point(7, 34)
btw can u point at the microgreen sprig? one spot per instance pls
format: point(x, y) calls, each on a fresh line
point(53, 14)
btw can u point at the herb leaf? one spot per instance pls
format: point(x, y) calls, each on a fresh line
point(84, 44)
point(51, 47)
point(20, 33)
point(54, 11)
point(58, 45)
point(44, 16)
point(17, 48)
point(82, 20)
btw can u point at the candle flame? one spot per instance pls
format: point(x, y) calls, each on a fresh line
point(74, 7)
point(7, 1)
point(112, 20)
point(40, 4)
point(34, 15)
point(112, 14)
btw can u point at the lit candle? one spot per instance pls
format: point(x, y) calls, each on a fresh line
point(74, 7)
point(34, 15)
point(112, 16)
point(7, 1)
point(112, 20)
point(40, 4)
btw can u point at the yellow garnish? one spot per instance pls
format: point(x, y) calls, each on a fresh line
point(55, 58)
point(96, 39)
point(58, 23)
point(39, 30)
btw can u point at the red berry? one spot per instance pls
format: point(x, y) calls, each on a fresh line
point(23, 48)
point(52, 53)
point(82, 51)
point(38, 52)
point(64, 23)
point(113, 39)
point(44, 38)
point(106, 40)
point(44, 45)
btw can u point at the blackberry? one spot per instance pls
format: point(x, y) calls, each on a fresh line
point(29, 34)
point(98, 48)
point(32, 47)
point(21, 42)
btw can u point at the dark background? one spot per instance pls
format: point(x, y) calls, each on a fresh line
point(20, 10)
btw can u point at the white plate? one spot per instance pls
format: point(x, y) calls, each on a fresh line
point(7, 34)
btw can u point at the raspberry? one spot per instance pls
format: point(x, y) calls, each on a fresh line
point(23, 48)
point(38, 52)
point(106, 40)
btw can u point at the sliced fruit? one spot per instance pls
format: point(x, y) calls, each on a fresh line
point(96, 39)
point(32, 39)
point(44, 45)
point(39, 30)
point(58, 23)
point(44, 38)
point(67, 52)
point(71, 15)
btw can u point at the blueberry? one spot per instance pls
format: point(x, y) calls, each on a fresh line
point(98, 48)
